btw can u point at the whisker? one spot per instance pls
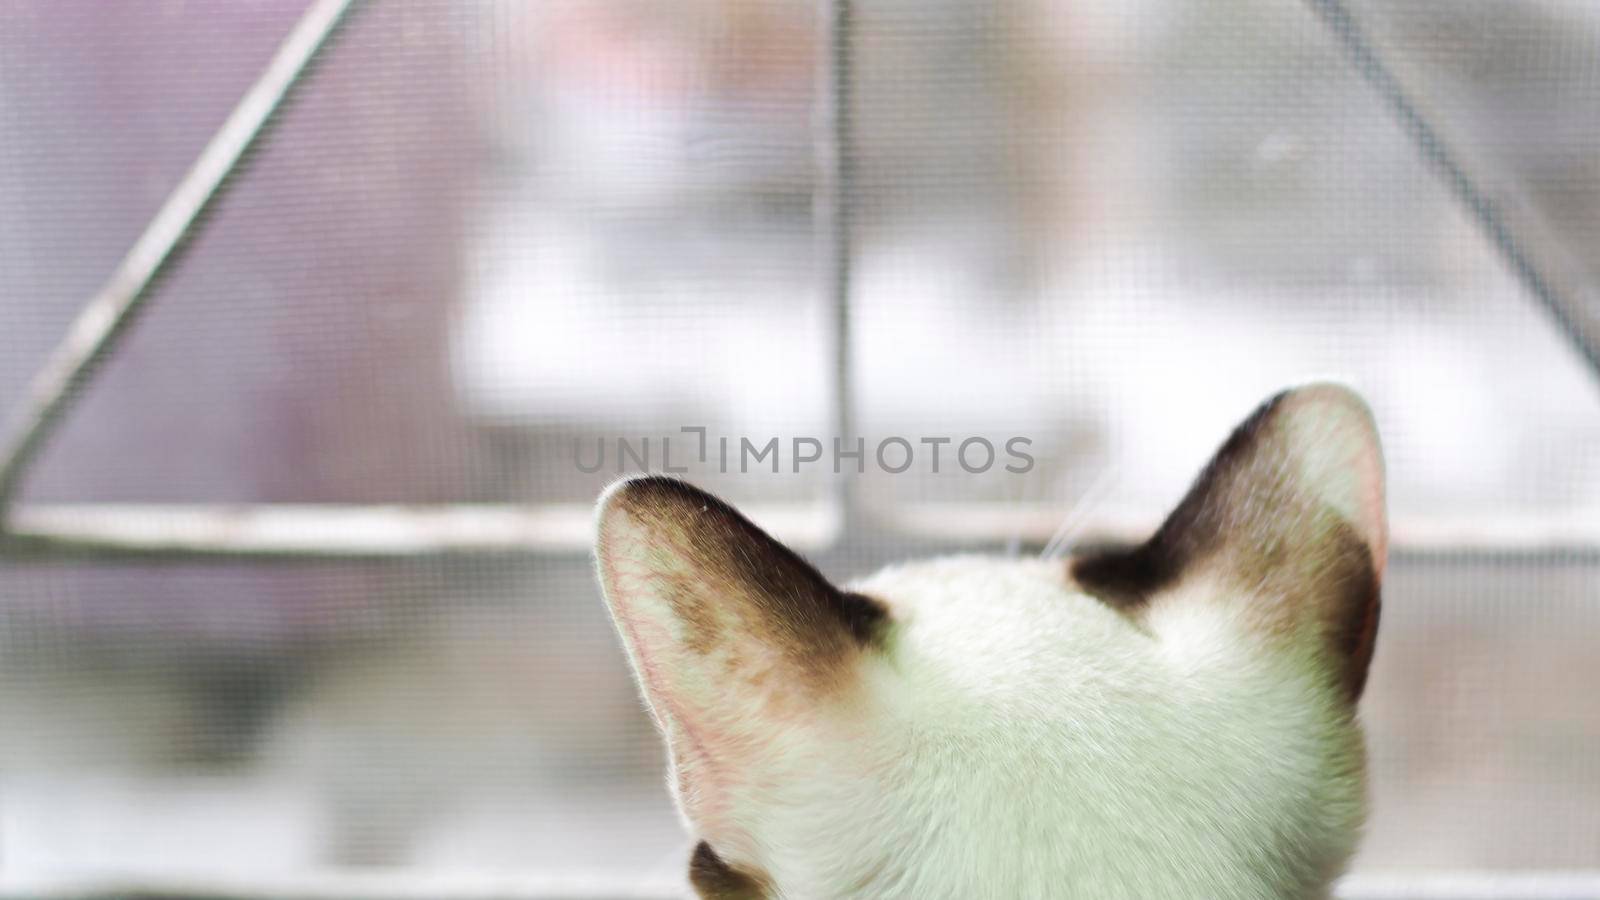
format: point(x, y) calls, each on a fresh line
point(1078, 517)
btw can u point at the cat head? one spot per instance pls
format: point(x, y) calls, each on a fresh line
point(1176, 719)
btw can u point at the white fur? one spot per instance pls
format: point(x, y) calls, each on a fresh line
point(1020, 739)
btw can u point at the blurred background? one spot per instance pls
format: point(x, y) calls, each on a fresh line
point(489, 234)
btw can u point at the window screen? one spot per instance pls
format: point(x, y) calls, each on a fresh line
point(486, 249)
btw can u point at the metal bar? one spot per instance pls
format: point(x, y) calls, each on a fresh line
point(96, 330)
point(355, 885)
point(835, 219)
point(1502, 532)
point(1529, 885)
point(314, 532)
point(331, 532)
point(1580, 325)
point(1468, 885)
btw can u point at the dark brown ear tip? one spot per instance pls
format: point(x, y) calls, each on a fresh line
point(1331, 393)
point(1334, 392)
point(649, 489)
point(1260, 416)
point(645, 499)
point(1276, 400)
point(1330, 400)
point(656, 495)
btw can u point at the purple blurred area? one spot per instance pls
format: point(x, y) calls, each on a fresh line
point(336, 255)
point(296, 351)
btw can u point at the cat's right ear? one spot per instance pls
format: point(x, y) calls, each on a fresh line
point(1286, 523)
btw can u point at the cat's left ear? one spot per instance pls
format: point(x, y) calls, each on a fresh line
point(741, 647)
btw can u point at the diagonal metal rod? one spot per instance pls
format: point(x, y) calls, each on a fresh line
point(1581, 326)
point(105, 319)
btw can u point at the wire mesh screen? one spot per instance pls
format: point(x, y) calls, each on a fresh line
point(496, 253)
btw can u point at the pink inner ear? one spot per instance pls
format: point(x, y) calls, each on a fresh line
point(1337, 413)
point(696, 770)
point(1374, 519)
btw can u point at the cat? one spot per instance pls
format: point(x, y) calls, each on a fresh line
point(1171, 720)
